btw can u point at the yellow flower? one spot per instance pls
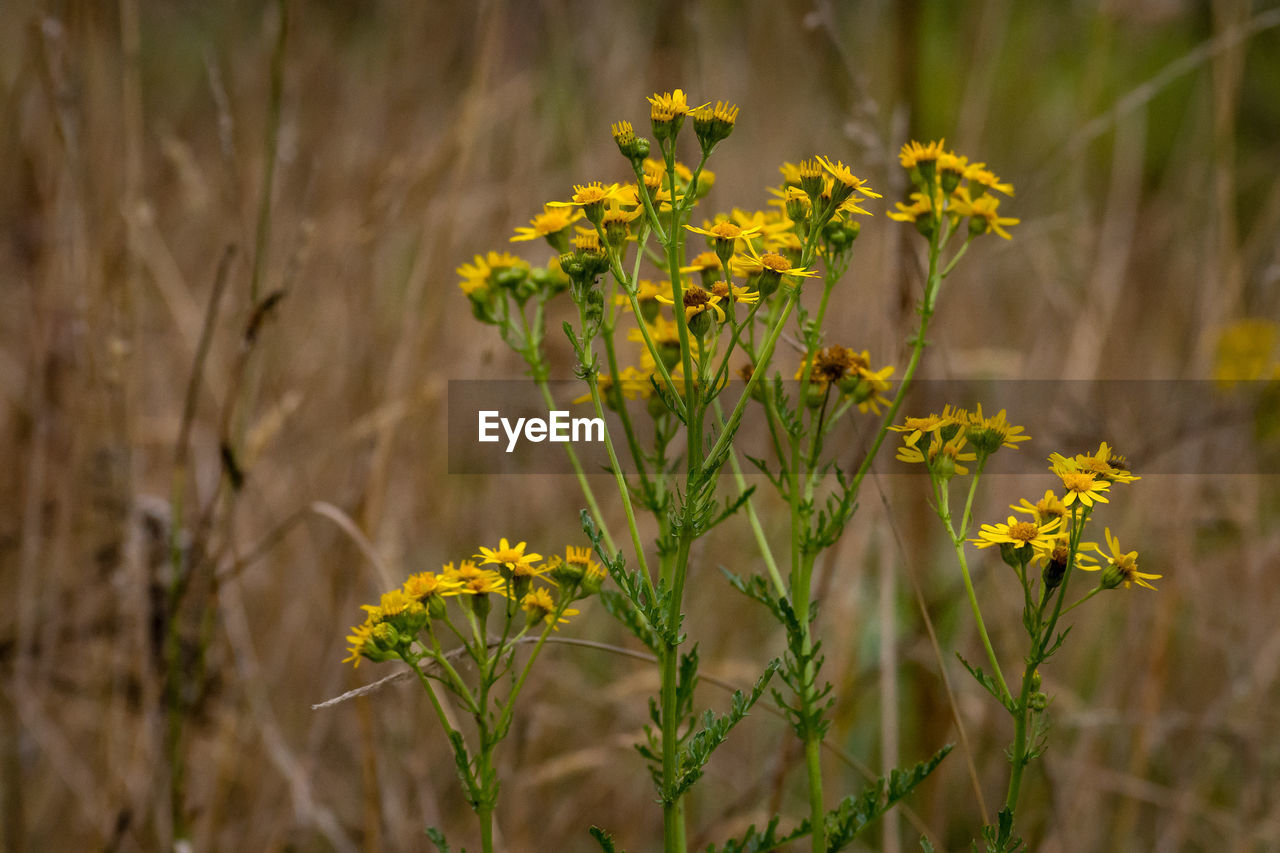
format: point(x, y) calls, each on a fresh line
point(771, 262)
point(1057, 550)
point(1105, 464)
point(1080, 485)
point(513, 559)
point(983, 214)
point(539, 604)
point(942, 458)
point(978, 173)
point(1047, 508)
point(552, 220)
point(592, 193)
point(945, 425)
point(475, 580)
point(725, 232)
point(914, 154)
point(424, 585)
point(919, 208)
point(360, 641)
point(1016, 532)
point(740, 293)
point(849, 182)
point(988, 434)
point(668, 105)
point(696, 301)
point(1123, 568)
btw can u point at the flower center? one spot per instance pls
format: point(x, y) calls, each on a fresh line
point(1023, 531)
point(1077, 481)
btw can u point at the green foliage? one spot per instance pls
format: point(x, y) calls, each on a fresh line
point(987, 681)
point(437, 838)
point(846, 820)
point(605, 840)
point(759, 842)
point(697, 751)
point(1000, 837)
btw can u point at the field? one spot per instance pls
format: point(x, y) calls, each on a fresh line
point(229, 321)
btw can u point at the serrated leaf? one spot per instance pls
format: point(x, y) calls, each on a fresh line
point(986, 681)
point(605, 840)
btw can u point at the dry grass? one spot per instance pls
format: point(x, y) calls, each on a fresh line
point(135, 224)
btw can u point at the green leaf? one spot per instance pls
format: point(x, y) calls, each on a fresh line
point(846, 820)
point(986, 681)
point(437, 838)
point(697, 751)
point(760, 842)
point(604, 839)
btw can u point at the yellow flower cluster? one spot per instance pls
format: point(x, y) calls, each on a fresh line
point(949, 435)
point(393, 625)
point(948, 185)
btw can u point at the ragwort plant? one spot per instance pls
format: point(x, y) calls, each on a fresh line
point(698, 318)
point(1044, 550)
point(527, 597)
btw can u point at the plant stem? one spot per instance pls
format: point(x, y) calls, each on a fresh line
point(957, 542)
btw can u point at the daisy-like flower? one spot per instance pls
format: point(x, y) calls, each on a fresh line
point(1123, 568)
point(513, 559)
point(945, 425)
point(424, 586)
point(668, 105)
point(591, 197)
point(1105, 463)
point(1052, 556)
point(989, 434)
point(725, 236)
point(713, 125)
point(475, 580)
point(1083, 486)
point(915, 154)
point(1046, 509)
point(919, 209)
point(951, 168)
point(739, 293)
point(770, 267)
point(539, 604)
point(580, 559)
point(360, 643)
point(1018, 533)
point(475, 278)
point(697, 301)
point(983, 214)
point(846, 183)
point(943, 458)
point(548, 224)
point(978, 173)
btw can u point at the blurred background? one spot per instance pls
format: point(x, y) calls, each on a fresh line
point(229, 314)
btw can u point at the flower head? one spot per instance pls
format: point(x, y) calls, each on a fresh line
point(1123, 568)
point(551, 222)
point(513, 559)
point(1083, 486)
point(1046, 509)
point(989, 434)
point(1015, 532)
point(539, 604)
point(983, 214)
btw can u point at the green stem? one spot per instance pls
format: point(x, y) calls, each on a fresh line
point(624, 490)
point(957, 542)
